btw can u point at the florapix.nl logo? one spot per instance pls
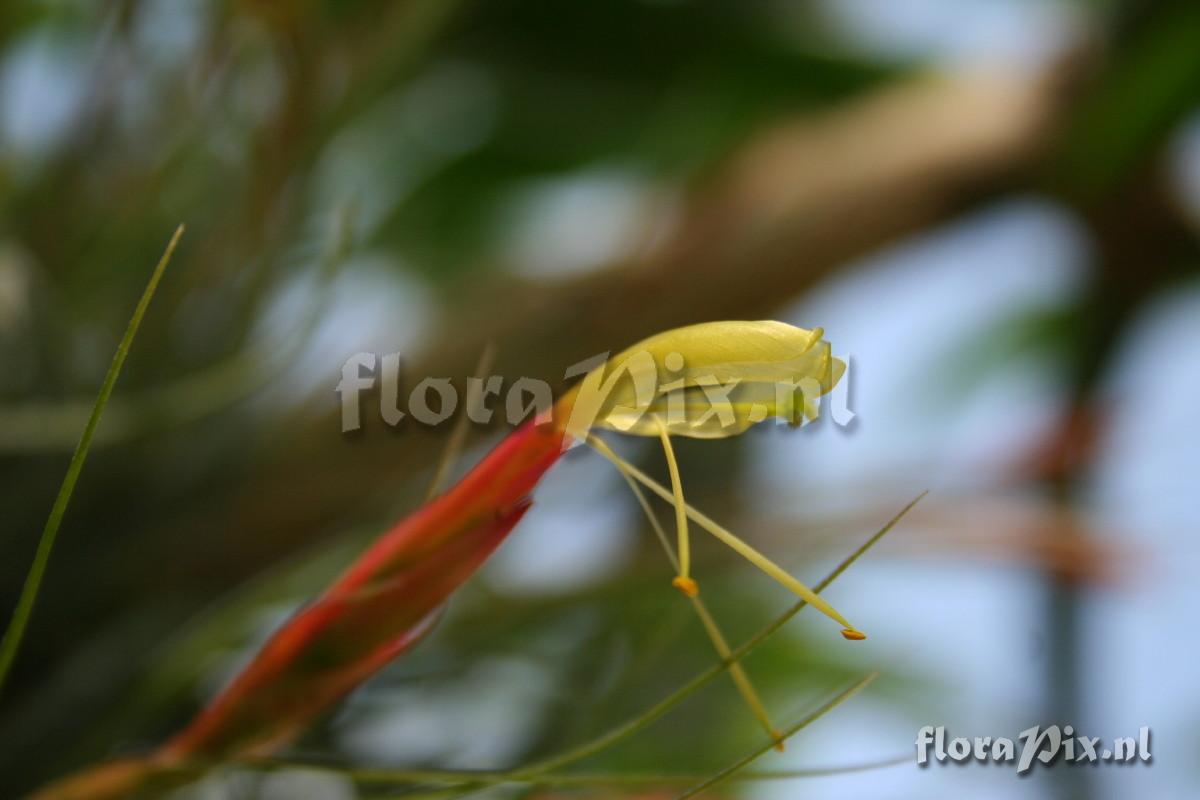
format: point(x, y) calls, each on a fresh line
point(1032, 746)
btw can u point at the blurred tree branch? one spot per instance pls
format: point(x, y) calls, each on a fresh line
point(798, 201)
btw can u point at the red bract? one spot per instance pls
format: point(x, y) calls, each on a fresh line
point(378, 608)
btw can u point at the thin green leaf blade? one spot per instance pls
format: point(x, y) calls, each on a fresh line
point(15, 632)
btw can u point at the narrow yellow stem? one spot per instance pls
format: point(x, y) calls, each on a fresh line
point(745, 550)
point(739, 676)
point(740, 679)
point(683, 581)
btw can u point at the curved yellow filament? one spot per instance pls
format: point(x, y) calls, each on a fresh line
point(683, 581)
point(745, 550)
point(740, 679)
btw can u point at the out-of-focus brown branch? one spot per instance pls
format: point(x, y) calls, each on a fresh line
point(1014, 529)
point(794, 204)
point(1030, 533)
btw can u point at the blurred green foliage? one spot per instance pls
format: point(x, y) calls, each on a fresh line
point(423, 122)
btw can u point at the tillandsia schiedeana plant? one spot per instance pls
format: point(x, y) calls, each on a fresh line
point(705, 381)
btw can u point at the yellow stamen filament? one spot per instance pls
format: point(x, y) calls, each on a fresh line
point(745, 550)
point(739, 676)
point(683, 581)
point(740, 679)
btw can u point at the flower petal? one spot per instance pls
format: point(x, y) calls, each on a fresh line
point(710, 380)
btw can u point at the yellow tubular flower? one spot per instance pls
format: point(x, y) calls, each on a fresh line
point(709, 381)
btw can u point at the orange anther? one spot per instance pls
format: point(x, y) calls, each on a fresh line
point(686, 585)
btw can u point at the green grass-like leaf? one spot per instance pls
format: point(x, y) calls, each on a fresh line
point(633, 726)
point(37, 570)
point(791, 730)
